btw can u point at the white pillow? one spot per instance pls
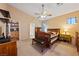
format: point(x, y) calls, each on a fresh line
point(54, 33)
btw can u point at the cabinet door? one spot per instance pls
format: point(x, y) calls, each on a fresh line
point(12, 49)
point(3, 50)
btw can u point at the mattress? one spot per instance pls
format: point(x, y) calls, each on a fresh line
point(53, 37)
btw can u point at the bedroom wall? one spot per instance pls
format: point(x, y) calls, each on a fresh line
point(61, 22)
point(23, 18)
point(3, 6)
point(57, 22)
point(24, 22)
point(2, 28)
point(2, 25)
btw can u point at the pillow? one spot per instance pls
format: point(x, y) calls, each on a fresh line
point(53, 33)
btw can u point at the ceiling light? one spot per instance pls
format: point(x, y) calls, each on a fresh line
point(43, 14)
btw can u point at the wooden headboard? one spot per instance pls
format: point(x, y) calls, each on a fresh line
point(37, 29)
point(57, 30)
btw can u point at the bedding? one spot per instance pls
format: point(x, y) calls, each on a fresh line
point(53, 37)
point(54, 34)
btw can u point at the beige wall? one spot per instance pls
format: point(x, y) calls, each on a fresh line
point(3, 6)
point(24, 21)
point(2, 25)
point(23, 18)
point(61, 22)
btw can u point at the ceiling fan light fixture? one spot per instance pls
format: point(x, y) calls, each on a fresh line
point(44, 14)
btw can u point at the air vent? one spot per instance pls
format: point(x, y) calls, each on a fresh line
point(59, 4)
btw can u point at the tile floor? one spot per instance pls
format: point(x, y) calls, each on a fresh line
point(25, 48)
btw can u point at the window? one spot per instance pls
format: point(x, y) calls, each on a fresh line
point(72, 20)
point(32, 30)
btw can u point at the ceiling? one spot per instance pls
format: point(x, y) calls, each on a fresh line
point(54, 8)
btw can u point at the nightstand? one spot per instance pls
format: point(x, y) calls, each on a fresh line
point(65, 37)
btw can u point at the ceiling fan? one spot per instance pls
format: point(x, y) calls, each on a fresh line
point(43, 14)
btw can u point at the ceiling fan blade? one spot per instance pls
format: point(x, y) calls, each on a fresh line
point(38, 17)
point(37, 13)
point(43, 14)
point(50, 15)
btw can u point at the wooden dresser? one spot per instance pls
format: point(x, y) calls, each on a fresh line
point(8, 49)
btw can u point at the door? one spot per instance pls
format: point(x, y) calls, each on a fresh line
point(3, 50)
point(32, 30)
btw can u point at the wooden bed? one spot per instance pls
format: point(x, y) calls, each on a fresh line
point(54, 34)
point(54, 38)
point(44, 39)
point(57, 30)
